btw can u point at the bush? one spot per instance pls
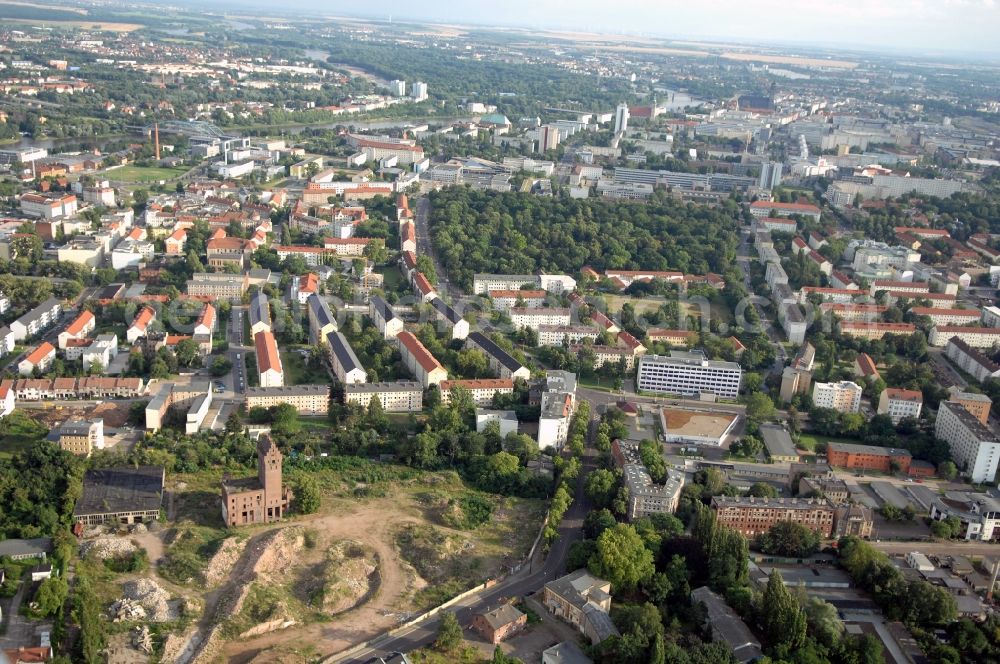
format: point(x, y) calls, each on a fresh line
point(132, 562)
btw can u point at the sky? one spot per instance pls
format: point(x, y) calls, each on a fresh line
point(914, 26)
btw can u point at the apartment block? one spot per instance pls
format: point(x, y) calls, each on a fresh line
point(452, 319)
point(532, 318)
point(977, 404)
point(755, 516)
point(865, 330)
point(977, 337)
point(269, 370)
point(321, 319)
point(482, 390)
point(501, 362)
point(81, 437)
point(971, 360)
point(343, 361)
point(557, 335)
point(899, 404)
point(306, 399)
point(395, 397)
point(843, 396)
point(975, 449)
point(424, 366)
point(388, 323)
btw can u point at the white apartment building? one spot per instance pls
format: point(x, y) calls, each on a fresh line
point(556, 335)
point(899, 404)
point(260, 313)
point(506, 299)
point(321, 320)
point(388, 323)
point(396, 397)
point(269, 370)
point(306, 399)
point(689, 374)
point(452, 319)
point(424, 366)
point(344, 362)
point(483, 284)
point(532, 318)
point(775, 274)
point(482, 390)
point(975, 449)
point(991, 316)
point(36, 320)
point(48, 206)
point(977, 337)
point(844, 397)
point(971, 360)
point(948, 316)
point(506, 419)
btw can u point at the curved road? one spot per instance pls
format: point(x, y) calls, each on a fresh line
point(524, 582)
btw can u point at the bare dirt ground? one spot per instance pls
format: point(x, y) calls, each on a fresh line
point(373, 526)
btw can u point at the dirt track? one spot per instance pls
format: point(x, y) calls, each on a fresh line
point(373, 525)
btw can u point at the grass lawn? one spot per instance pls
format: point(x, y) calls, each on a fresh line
point(597, 383)
point(297, 371)
point(641, 305)
point(393, 279)
point(144, 173)
point(18, 432)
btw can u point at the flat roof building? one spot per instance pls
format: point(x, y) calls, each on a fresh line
point(778, 442)
point(688, 374)
point(975, 449)
point(696, 427)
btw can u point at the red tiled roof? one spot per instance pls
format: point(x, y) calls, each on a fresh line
point(419, 351)
point(144, 318)
point(899, 394)
point(866, 365)
point(84, 319)
point(774, 205)
point(422, 283)
point(479, 384)
point(523, 294)
point(267, 352)
point(44, 350)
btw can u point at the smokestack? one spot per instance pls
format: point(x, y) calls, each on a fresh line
point(156, 139)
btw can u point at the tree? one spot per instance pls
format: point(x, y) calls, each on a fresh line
point(234, 423)
point(449, 634)
point(579, 554)
point(788, 538)
point(782, 620)
point(759, 407)
point(601, 486)
point(596, 522)
point(762, 490)
point(220, 366)
point(187, 352)
point(51, 595)
point(307, 495)
point(622, 558)
point(947, 470)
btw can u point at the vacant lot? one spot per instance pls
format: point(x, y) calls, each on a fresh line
point(144, 173)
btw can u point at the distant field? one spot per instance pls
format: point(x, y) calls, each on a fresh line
point(791, 60)
point(89, 25)
point(144, 173)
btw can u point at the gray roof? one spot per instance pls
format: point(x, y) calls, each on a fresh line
point(321, 310)
point(287, 390)
point(38, 312)
point(577, 587)
point(25, 547)
point(382, 308)
point(75, 428)
point(393, 386)
point(342, 350)
point(777, 440)
point(446, 311)
point(501, 616)
point(600, 621)
point(260, 312)
point(727, 626)
point(566, 652)
point(492, 349)
point(970, 422)
point(869, 449)
point(124, 489)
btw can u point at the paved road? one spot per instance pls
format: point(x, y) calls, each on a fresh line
point(524, 582)
point(426, 248)
point(20, 630)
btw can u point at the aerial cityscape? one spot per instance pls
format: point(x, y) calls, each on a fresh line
point(425, 334)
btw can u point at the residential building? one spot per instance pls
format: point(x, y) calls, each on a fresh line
point(6, 340)
point(269, 368)
point(864, 367)
point(80, 328)
point(584, 601)
point(482, 390)
point(500, 360)
point(532, 318)
point(176, 242)
point(898, 403)
point(607, 355)
point(39, 359)
point(974, 447)
point(500, 623)
point(843, 396)
point(424, 366)
point(755, 516)
point(558, 335)
point(344, 362)
point(395, 397)
point(971, 360)
point(853, 520)
point(554, 419)
point(219, 285)
point(868, 457)
point(100, 351)
point(645, 496)
point(121, 496)
point(140, 326)
point(80, 437)
point(48, 206)
point(977, 404)
point(565, 652)
point(306, 399)
point(762, 209)
point(449, 317)
point(689, 374)
point(388, 323)
point(727, 627)
point(205, 325)
point(680, 338)
point(977, 337)
point(507, 299)
point(423, 287)
point(831, 488)
point(484, 284)
point(947, 317)
point(872, 331)
point(506, 420)
point(777, 440)
point(8, 401)
point(260, 499)
point(259, 313)
point(321, 320)
point(36, 320)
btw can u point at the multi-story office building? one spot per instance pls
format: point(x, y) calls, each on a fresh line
point(975, 449)
point(688, 373)
point(843, 396)
point(396, 397)
point(424, 366)
point(344, 362)
point(755, 516)
point(621, 118)
point(306, 399)
point(899, 404)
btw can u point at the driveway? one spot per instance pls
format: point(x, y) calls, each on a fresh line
point(19, 630)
